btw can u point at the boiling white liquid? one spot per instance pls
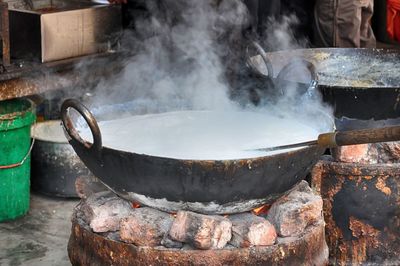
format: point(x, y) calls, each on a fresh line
point(202, 135)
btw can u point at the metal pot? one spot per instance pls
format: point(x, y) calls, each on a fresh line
point(367, 89)
point(206, 186)
point(55, 165)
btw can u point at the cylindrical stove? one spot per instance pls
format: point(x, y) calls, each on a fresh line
point(88, 248)
point(108, 230)
point(361, 210)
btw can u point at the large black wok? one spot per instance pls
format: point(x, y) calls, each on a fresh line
point(358, 83)
point(226, 186)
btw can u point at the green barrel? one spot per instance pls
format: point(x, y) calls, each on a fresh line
point(16, 118)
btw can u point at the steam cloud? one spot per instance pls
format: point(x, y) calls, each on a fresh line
point(177, 65)
point(306, 107)
point(281, 36)
point(179, 60)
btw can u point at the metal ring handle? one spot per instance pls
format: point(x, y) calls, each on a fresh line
point(264, 57)
point(296, 63)
point(90, 120)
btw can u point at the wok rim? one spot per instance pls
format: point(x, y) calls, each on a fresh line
point(340, 51)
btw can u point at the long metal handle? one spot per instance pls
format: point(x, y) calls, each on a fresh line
point(90, 120)
point(352, 137)
point(362, 136)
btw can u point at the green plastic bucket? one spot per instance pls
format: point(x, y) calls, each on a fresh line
point(16, 117)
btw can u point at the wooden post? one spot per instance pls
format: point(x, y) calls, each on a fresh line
point(5, 33)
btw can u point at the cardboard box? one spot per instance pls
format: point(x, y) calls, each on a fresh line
point(54, 30)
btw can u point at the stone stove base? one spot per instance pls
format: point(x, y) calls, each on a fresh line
point(107, 230)
point(88, 248)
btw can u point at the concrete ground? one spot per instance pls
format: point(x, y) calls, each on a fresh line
point(40, 237)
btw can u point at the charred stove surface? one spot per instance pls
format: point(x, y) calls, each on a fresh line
point(365, 206)
point(362, 211)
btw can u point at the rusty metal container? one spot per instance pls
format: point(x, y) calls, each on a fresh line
point(361, 211)
point(49, 30)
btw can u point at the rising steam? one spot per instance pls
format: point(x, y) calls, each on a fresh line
point(177, 65)
point(180, 58)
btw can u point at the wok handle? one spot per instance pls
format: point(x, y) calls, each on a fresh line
point(362, 136)
point(297, 62)
point(261, 52)
point(90, 120)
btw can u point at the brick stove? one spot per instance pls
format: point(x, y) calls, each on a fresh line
point(108, 230)
point(360, 187)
